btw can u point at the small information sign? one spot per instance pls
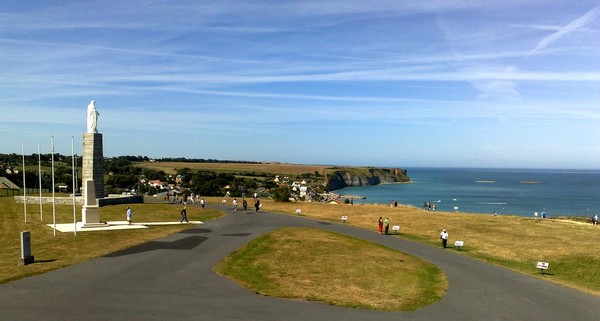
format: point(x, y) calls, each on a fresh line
point(458, 244)
point(298, 211)
point(344, 218)
point(543, 265)
point(395, 228)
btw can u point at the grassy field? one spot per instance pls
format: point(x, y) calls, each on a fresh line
point(511, 241)
point(515, 242)
point(64, 249)
point(273, 169)
point(311, 264)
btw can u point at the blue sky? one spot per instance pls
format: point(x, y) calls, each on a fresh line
point(386, 83)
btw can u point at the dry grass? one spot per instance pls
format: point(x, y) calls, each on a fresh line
point(64, 249)
point(280, 169)
point(512, 241)
point(312, 264)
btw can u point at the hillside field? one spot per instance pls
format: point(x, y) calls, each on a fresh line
point(266, 168)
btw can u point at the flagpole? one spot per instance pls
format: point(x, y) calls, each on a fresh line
point(24, 185)
point(40, 185)
point(53, 196)
point(73, 167)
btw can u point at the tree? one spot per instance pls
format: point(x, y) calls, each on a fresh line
point(281, 194)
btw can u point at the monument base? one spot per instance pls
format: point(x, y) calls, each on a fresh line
point(27, 260)
point(91, 216)
point(92, 225)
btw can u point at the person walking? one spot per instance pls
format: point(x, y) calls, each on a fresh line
point(129, 215)
point(184, 215)
point(444, 238)
point(380, 225)
point(595, 219)
point(234, 204)
point(245, 205)
point(386, 225)
point(257, 204)
point(202, 202)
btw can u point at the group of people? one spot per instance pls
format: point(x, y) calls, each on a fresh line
point(191, 199)
point(183, 212)
point(429, 206)
point(257, 204)
point(383, 225)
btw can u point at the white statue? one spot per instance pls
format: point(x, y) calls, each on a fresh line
point(92, 118)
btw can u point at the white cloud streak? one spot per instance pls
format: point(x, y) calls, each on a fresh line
point(569, 28)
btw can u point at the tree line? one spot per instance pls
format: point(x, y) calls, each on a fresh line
point(122, 176)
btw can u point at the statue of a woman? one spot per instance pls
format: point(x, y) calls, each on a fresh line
point(92, 118)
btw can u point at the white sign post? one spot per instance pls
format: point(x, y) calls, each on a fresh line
point(458, 244)
point(396, 228)
point(344, 218)
point(543, 266)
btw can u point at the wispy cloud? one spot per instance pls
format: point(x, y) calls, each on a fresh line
point(569, 28)
point(310, 68)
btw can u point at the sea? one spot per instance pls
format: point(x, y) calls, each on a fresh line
point(523, 192)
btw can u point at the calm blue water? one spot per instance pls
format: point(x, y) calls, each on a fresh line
point(556, 192)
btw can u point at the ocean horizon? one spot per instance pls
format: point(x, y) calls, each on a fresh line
point(508, 191)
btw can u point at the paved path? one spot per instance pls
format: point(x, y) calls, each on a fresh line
point(172, 279)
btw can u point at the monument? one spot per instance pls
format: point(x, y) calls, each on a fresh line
point(93, 155)
point(93, 170)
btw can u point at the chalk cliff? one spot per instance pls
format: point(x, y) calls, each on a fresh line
point(363, 176)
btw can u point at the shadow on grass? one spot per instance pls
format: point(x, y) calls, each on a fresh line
point(44, 261)
point(187, 243)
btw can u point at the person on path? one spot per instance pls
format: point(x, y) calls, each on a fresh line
point(184, 215)
point(245, 205)
point(234, 204)
point(444, 238)
point(380, 225)
point(129, 215)
point(257, 204)
point(386, 225)
point(595, 219)
point(202, 202)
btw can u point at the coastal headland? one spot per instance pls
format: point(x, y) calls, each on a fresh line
point(322, 178)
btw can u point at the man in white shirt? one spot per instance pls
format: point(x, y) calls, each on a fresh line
point(444, 238)
point(128, 215)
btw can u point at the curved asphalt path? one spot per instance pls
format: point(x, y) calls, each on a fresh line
point(172, 279)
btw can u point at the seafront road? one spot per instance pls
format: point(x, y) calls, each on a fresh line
point(172, 279)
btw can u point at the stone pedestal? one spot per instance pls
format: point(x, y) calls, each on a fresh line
point(93, 162)
point(90, 214)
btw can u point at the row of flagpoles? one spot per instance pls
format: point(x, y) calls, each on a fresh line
point(53, 191)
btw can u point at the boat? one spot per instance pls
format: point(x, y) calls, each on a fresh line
point(531, 182)
point(484, 181)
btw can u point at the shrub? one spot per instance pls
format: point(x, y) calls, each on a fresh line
point(281, 194)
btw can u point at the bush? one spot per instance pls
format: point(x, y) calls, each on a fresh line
point(281, 194)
